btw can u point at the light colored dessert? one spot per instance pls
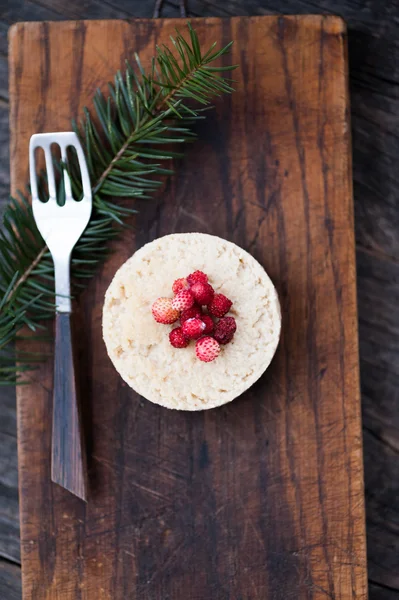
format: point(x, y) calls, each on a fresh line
point(192, 364)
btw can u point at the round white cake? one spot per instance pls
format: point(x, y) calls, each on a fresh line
point(139, 347)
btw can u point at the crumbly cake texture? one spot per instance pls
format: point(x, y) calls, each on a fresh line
point(139, 347)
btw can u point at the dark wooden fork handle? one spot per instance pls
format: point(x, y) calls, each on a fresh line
point(68, 460)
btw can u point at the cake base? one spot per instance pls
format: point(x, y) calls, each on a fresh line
point(140, 348)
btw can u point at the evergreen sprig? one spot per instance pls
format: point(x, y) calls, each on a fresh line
point(126, 139)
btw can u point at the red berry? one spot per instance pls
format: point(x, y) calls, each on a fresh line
point(191, 313)
point(197, 277)
point(203, 292)
point(209, 324)
point(163, 311)
point(179, 285)
point(177, 338)
point(225, 330)
point(183, 300)
point(193, 328)
point(207, 349)
point(220, 305)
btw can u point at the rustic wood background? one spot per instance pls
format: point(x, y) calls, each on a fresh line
point(263, 499)
point(374, 75)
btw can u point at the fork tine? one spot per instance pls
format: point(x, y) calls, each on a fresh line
point(50, 173)
point(83, 168)
point(32, 169)
point(67, 179)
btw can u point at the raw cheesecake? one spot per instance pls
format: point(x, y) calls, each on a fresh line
point(139, 347)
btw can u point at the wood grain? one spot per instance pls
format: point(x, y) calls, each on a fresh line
point(379, 328)
point(10, 581)
point(262, 498)
point(9, 526)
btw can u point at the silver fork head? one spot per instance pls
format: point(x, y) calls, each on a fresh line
point(60, 226)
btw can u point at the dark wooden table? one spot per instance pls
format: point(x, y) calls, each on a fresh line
point(374, 79)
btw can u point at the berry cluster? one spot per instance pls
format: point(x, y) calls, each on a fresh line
point(191, 295)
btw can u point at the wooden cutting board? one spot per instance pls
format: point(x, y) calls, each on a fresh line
point(263, 498)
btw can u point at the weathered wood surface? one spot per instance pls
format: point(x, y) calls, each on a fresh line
point(374, 78)
point(9, 527)
point(263, 498)
point(10, 581)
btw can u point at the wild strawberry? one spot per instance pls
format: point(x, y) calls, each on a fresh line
point(191, 313)
point(225, 330)
point(220, 305)
point(197, 277)
point(207, 349)
point(183, 300)
point(202, 292)
point(209, 324)
point(177, 338)
point(163, 311)
point(179, 285)
point(193, 328)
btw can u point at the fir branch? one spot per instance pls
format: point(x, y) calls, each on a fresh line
point(28, 271)
point(126, 139)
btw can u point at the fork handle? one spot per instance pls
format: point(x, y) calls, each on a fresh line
point(68, 458)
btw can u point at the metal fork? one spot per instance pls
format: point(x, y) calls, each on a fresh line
point(61, 227)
